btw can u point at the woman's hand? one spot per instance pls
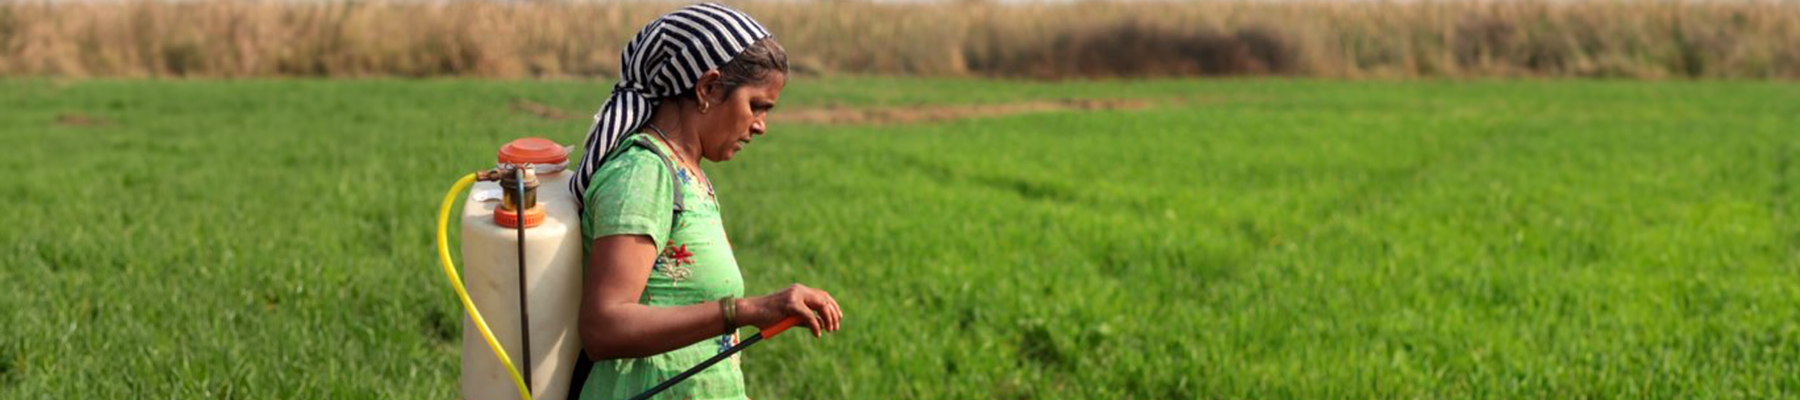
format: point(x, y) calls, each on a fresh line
point(816, 309)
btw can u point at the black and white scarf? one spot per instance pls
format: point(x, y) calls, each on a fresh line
point(665, 59)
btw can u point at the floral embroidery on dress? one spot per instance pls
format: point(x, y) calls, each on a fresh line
point(725, 343)
point(682, 173)
point(674, 262)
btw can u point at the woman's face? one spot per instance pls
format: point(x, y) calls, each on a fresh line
point(730, 124)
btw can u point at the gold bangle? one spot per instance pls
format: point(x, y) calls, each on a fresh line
point(729, 306)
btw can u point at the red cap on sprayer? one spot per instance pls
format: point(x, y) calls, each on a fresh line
point(533, 150)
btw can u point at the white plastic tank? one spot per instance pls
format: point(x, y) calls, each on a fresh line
point(553, 273)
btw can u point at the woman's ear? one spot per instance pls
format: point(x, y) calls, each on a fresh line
point(708, 90)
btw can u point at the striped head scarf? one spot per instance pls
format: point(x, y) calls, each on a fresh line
point(665, 59)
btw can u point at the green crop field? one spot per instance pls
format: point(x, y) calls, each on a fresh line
point(1229, 239)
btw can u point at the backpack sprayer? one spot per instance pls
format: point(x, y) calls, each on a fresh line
point(522, 248)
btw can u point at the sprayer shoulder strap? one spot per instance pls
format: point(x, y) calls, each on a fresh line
point(668, 162)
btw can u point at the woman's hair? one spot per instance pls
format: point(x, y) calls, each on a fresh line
point(752, 66)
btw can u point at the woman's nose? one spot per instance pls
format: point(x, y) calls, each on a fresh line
point(758, 127)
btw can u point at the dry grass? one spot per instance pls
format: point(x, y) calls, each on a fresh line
point(1650, 40)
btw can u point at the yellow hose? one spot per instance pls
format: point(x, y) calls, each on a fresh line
point(461, 293)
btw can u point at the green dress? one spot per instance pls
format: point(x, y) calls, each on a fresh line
point(633, 193)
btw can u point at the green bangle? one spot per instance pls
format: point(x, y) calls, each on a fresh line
point(729, 306)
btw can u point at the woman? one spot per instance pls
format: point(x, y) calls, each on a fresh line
point(662, 290)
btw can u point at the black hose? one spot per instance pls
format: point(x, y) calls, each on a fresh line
point(524, 308)
point(665, 385)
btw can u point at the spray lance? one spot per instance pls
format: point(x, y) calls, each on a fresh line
point(525, 251)
point(769, 332)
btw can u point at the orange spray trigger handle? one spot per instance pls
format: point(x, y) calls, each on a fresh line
point(779, 327)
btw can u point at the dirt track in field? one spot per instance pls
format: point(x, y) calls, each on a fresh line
point(895, 114)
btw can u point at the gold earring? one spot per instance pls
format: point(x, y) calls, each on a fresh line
point(703, 106)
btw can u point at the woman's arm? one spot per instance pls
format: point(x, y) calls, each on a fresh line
point(614, 325)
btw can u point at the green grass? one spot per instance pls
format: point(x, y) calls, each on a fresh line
point(1281, 239)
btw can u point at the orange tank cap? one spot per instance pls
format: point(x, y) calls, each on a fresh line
point(509, 219)
point(534, 150)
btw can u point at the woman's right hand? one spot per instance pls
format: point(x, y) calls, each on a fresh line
point(816, 309)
